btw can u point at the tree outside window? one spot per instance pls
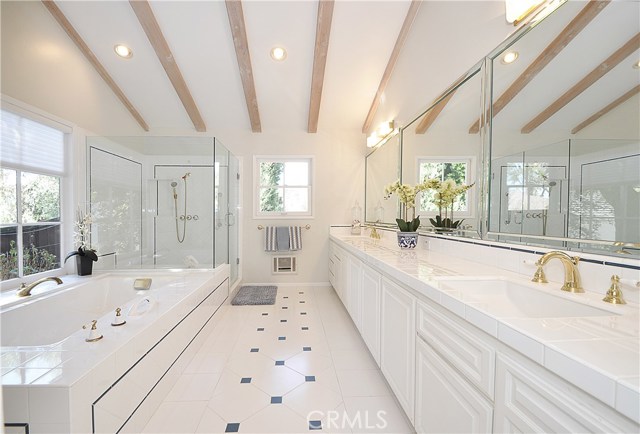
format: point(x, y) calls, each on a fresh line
point(284, 186)
point(456, 170)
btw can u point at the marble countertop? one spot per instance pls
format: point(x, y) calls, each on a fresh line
point(592, 344)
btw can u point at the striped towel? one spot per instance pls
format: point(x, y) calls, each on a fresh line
point(295, 238)
point(270, 239)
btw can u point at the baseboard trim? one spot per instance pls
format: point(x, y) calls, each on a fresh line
point(290, 284)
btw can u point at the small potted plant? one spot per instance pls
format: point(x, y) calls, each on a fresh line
point(408, 235)
point(85, 255)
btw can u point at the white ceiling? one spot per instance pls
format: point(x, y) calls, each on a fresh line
point(447, 38)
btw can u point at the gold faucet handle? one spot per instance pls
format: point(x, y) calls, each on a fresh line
point(93, 325)
point(614, 294)
point(539, 276)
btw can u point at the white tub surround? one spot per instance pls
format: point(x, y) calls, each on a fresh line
point(55, 381)
point(477, 348)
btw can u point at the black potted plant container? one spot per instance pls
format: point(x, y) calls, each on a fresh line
point(84, 260)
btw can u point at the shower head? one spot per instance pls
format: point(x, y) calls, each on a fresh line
point(174, 184)
point(552, 184)
point(186, 175)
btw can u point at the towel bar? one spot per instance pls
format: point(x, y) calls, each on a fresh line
point(260, 227)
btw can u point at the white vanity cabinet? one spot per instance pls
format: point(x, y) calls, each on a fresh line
point(354, 291)
point(445, 401)
point(529, 398)
point(371, 311)
point(454, 375)
point(337, 269)
point(397, 342)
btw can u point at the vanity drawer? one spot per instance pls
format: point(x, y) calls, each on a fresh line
point(466, 349)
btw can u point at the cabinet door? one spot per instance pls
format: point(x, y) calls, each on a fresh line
point(355, 291)
point(445, 402)
point(371, 311)
point(397, 343)
point(531, 399)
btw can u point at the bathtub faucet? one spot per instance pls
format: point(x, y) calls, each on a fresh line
point(25, 290)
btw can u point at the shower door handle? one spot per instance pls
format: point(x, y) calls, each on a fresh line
point(230, 219)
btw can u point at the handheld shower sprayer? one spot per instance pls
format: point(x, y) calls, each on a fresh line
point(175, 193)
point(183, 217)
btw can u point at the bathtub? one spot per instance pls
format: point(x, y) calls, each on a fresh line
point(87, 386)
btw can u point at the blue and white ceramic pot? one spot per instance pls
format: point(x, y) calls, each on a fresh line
point(407, 240)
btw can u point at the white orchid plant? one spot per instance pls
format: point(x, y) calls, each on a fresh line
point(444, 198)
point(81, 236)
point(407, 195)
point(445, 195)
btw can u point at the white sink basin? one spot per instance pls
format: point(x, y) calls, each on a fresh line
point(507, 299)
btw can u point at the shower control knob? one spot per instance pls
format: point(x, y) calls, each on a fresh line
point(182, 217)
point(195, 217)
point(189, 217)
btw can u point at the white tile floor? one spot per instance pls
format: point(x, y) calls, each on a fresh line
point(297, 366)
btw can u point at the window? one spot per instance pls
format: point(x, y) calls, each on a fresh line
point(456, 169)
point(31, 170)
point(283, 186)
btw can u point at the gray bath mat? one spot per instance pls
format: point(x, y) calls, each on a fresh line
point(255, 295)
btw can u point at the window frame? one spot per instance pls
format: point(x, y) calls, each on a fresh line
point(470, 160)
point(66, 190)
point(257, 159)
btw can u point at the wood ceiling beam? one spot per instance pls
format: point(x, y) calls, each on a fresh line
point(393, 59)
point(597, 115)
point(440, 103)
point(584, 17)
point(323, 30)
point(241, 44)
point(611, 62)
point(150, 25)
point(93, 60)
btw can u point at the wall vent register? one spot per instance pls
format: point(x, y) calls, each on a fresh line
point(284, 265)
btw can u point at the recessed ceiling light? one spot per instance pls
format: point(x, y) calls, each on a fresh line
point(509, 57)
point(637, 65)
point(278, 53)
point(123, 51)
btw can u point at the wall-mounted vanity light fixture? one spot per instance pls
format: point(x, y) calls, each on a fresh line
point(382, 134)
point(516, 11)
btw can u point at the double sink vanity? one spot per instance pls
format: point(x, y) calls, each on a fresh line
point(472, 346)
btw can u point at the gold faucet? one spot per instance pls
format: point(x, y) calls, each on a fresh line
point(571, 275)
point(25, 290)
point(374, 233)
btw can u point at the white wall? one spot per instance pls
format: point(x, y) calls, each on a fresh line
point(338, 183)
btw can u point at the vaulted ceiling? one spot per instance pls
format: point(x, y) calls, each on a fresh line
point(418, 50)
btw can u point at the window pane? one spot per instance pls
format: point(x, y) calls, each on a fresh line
point(296, 173)
point(41, 248)
point(455, 171)
point(271, 173)
point(296, 199)
point(8, 252)
point(271, 199)
point(430, 171)
point(8, 209)
point(40, 198)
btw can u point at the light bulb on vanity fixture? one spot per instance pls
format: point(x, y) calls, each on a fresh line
point(382, 134)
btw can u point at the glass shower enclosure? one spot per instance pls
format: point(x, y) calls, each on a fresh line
point(163, 202)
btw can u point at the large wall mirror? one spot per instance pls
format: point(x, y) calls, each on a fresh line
point(438, 145)
point(565, 131)
point(382, 169)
